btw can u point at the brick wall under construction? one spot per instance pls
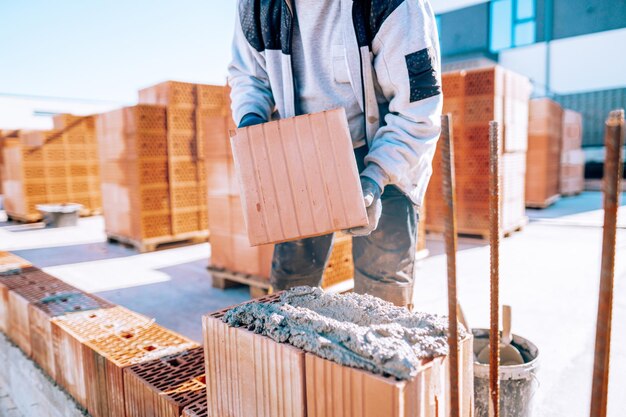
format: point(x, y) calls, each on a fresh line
point(474, 98)
point(51, 167)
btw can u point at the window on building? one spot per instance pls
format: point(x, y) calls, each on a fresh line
point(512, 23)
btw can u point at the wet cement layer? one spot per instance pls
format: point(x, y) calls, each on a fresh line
point(355, 330)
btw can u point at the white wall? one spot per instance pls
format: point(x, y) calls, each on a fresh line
point(589, 62)
point(530, 61)
point(582, 63)
point(442, 6)
point(19, 112)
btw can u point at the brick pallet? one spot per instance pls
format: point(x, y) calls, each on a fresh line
point(337, 277)
point(152, 158)
point(544, 153)
point(52, 167)
point(474, 98)
point(572, 174)
point(105, 352)
point(251, 375)
point(163, 387)
point(233, 259)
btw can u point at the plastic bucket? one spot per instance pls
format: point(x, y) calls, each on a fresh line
point(60, 215)
point(518, 383)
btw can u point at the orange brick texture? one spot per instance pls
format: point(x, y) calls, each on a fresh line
point(474, 98)
point(251, 375)
point(572, 179)
point(52, 167)
point(544, 152)
point(298, 178)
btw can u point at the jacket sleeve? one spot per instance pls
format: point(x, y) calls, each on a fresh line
point(407, 65)
point(247, 76)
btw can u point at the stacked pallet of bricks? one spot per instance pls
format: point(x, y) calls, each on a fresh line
point(474, 98)
point(572, 179)
point(249, 374)
point(112, 361)
point(153, 171)
point(52, 167)
point(233, 259)
point(543, 161)
point(185, 105)
point(230, 247)
point(4, 136)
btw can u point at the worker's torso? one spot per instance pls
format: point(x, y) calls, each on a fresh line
point(321, 74)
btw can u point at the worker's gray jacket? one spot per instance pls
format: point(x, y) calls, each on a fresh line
point(392, 53)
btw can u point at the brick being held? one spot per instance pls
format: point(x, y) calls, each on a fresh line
point(298, 177)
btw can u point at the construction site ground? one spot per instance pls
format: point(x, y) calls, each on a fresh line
point(549, 275)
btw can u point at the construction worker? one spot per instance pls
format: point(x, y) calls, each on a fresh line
point(380, 61)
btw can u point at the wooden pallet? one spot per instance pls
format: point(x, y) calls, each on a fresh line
point(259, 286)
point(224, 278)
point(543, 204)
point(570, 194)
point(154, 243)
point(24, 218)
point(482, 234)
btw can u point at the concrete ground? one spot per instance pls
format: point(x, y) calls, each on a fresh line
point(549, 275)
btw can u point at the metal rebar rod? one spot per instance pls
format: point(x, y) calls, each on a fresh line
point(447, 154)
point(494, 234)
point(614, 141)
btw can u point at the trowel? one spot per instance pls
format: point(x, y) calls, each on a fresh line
point(509, 355)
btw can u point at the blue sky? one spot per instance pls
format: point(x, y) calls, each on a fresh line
point(108, 49)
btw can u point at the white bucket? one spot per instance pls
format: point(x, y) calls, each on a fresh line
point(518, 383)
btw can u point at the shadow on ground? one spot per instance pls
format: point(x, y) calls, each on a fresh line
point(63, 255)
point(180, 302)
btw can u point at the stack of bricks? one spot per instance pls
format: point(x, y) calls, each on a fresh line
point(474, 98)
point(230, 247)
point(544, 153)
point(5, 135)
point(230, 240)
point(153, 162)
point(249, 374)
point(572, 180)
point(52, 167)
point(133, 161)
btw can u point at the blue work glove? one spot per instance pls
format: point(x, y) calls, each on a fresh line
point(371, 196)
point(251, 119)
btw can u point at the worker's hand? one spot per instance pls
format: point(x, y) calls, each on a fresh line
point(371, 197)
point(251, 119)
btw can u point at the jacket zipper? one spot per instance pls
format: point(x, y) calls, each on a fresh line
point(362, 78)
point(293, 74)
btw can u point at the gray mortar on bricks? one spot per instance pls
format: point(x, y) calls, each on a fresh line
point(354, 330)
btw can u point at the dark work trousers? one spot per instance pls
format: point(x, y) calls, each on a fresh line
point(383, 261)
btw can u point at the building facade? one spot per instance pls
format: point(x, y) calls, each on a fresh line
point(572, 50)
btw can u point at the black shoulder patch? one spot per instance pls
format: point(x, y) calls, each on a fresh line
point(381, 10)
point(266, 24)
point(368, 17)
point(422, 75)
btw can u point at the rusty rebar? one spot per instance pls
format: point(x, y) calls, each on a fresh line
point(613, 162)
point(494, 234)
point(447, 156)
